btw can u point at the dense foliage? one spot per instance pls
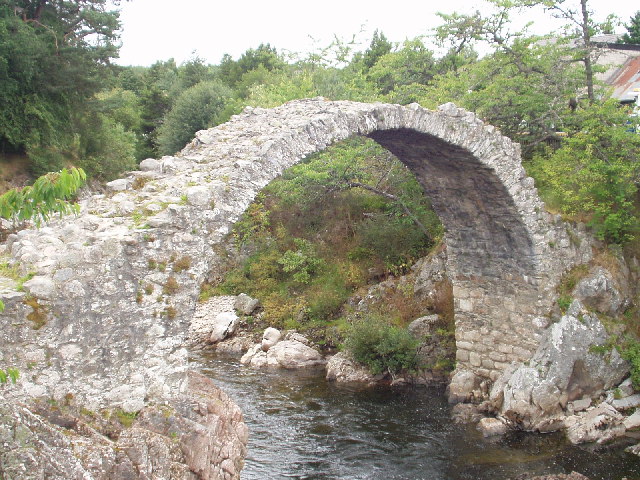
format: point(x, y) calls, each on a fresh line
point(196, 108)
point(382, 347)
point(54, 56)
point(632, 35)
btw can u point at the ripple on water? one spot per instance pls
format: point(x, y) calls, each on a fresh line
point(305, 428)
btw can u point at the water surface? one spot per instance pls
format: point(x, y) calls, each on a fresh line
point(302, 427)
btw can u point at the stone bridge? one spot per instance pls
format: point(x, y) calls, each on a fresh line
point(106, 315)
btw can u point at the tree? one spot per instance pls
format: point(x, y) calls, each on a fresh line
point(633, 31)
point(48, 195)
point(199, 107)
point(379, 47)
point(266, 56)
point(580, 20)
point(51, 56)
point(594, 174)
point(524, 90)
point(412, 64)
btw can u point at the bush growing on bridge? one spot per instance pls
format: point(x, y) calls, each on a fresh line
point(382, 347)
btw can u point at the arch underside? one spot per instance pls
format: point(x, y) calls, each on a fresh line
point(490, 254)
point(485, 233)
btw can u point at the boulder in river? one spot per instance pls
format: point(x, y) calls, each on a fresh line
point(343, 369)
point(291, 353)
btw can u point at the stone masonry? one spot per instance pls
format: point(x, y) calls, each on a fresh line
point(114, 289)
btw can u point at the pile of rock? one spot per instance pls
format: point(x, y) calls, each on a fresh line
point(217, 322)
point(292, 351)
point(572, 383)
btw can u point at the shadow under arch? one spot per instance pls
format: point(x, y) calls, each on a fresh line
point(486, 236)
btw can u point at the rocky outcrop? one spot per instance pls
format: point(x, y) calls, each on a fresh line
point(342, 368)
point(199, 435)
point(599, 291)
point(431, 278)
point(291, 353)
point(565, 368)
point(599, 424)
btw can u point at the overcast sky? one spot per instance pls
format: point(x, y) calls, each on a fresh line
point(162, 29)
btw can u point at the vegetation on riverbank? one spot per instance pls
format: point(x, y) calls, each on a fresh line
point(325, 231)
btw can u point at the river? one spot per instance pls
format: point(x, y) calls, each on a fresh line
point(302, 427)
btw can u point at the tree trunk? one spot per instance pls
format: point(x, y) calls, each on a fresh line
point(586, 38)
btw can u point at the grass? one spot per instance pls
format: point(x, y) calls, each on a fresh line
point(171, 286)
point(126, 419)
point(181, 264)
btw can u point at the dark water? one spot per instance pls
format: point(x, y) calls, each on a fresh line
point(301, 427)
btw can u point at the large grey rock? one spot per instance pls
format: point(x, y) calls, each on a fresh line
point(423, 326)
point(563, 369)
point(290, 354)
point(246, 304)
point(491, 427)
point(463, 386)
point(270, 337)
point(224, 325)
point(598, 291)
point(295, 354)
point(430, 273)
point(342, 368)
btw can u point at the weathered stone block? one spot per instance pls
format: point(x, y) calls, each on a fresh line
point(475, 359)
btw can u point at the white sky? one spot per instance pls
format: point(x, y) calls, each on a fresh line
point(162, 29)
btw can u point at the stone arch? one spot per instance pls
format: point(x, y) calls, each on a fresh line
point(113, 321)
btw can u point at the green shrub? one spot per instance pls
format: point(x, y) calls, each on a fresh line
point(197, 108)
point(564, 302)
point(382, 347)
point(301, 262)
point(631, 353)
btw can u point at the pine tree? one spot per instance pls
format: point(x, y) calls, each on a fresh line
point(633, 31)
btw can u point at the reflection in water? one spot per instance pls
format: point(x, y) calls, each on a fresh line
point(302, 427)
